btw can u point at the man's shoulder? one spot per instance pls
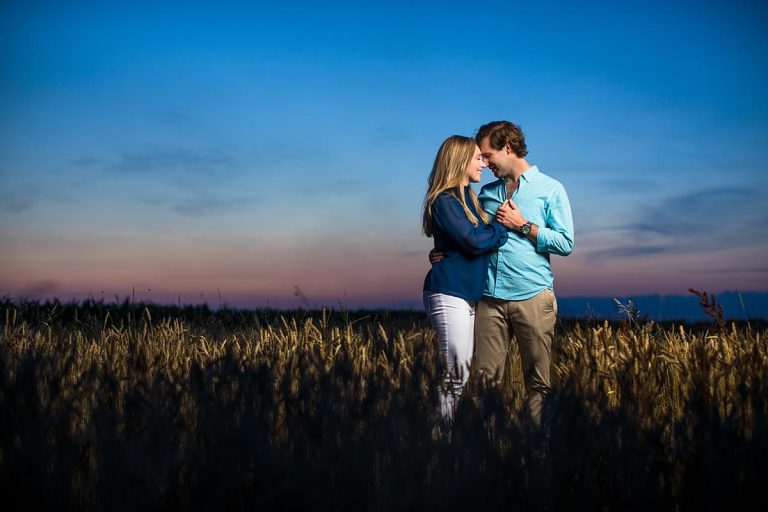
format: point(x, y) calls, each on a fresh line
point(550, 182)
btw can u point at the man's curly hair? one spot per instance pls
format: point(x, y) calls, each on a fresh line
point(500, 133)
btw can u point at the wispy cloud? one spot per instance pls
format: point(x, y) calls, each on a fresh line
point(22, 197)
point(289, 152)
point(625, 185)
point(704, 219)
point(700, 221)
point(41, 288)
point(16, 206)
point(206, 206)
point(172, 159)
point(85, 162)
point(175, 116)
point(702, 211)
point(631, 251)
point(336, 187)
point(390, 135)
point(739, 270)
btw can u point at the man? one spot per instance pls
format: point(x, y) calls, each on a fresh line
point(518, 296)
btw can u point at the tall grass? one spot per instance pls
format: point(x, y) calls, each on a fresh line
point(132, 406)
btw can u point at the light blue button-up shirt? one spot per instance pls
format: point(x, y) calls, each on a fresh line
point(520, 269)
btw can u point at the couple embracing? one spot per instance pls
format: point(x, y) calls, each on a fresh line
point(491, 275)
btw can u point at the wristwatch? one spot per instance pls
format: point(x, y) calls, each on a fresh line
point(526, 228)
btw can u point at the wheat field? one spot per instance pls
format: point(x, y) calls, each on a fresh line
point(138, 406)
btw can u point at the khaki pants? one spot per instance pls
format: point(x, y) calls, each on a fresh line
point(532, 321)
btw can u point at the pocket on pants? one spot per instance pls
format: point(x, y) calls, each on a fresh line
point(551, 302)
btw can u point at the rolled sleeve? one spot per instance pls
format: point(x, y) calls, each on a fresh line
point(557, 237)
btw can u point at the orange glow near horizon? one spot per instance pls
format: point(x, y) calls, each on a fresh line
point(376, 277)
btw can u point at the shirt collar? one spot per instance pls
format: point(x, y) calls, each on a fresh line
point(531, 174)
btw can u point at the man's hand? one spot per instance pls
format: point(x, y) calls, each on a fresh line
point(509, 216)
point(435, 256)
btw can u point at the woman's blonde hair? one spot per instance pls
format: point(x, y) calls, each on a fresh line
point(448, 174)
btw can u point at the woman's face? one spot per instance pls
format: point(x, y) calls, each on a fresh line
point(475, 168)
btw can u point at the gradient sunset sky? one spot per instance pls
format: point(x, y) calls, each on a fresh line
point(188, 149)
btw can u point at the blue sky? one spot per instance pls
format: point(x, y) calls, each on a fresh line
point(190, 149)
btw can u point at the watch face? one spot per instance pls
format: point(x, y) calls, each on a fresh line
point(525, 229)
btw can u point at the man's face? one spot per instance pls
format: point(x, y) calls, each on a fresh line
point(499, 160)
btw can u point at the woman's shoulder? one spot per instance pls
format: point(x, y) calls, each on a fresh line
point(447, 197)
point(447, 203)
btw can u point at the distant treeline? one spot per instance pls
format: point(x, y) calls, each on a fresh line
point(572, 311)
point(738, 306)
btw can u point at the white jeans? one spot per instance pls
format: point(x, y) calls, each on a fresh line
point(453, 320)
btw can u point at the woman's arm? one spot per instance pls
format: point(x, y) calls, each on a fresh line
point(474, 240)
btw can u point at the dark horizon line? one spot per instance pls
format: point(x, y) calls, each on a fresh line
point(308, 304)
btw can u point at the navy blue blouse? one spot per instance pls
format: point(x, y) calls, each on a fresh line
point(464, 268)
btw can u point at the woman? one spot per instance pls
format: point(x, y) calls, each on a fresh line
point(465, 235)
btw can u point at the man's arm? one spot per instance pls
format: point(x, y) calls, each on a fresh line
point(556, 237)
point(435, 256)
